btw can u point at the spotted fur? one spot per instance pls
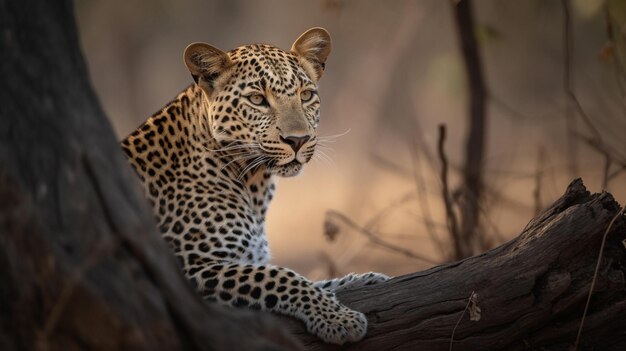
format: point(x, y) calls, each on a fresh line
point(207, 162)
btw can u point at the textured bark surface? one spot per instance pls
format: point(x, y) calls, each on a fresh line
point(81, 264)
point(531, 290)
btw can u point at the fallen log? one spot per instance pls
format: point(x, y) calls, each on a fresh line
point(531, 291)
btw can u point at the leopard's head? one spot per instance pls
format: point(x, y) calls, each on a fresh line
point(263, 105)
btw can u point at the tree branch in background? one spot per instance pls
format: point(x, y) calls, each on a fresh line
point(333, 216)
point(595, 141)
point(451, 221)
point(422, 198)
point(541, 160)
point(471, 189)
point(612, 50)
point(570, 121)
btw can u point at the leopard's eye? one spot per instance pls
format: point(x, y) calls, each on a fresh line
point(257, 99)
point(306, 95)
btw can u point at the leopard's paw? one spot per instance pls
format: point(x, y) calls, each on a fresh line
point(339, 327)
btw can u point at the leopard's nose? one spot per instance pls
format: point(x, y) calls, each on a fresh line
point(295, 142)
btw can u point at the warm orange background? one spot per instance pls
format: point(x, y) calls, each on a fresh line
point(395, 74)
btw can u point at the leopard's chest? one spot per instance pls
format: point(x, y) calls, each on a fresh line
point(207, 214)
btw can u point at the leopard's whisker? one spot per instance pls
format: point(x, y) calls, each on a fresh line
point(322, 155)
point(250, 167)
point(326, 148)
point(330, 138)
point(245, 156)
point(234, 147)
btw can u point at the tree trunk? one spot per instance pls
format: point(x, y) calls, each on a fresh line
point(81, 263)
point(469, 240)
point(531, 290)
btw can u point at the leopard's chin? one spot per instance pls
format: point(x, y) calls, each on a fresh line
point(290, 169)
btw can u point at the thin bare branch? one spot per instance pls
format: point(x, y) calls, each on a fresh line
point(616, 172)
point(496, 237)
point(422, 197)
point(469, 301)
point(331, 266)
point(385, 211)
point(610, 34)
point(595, 274)
point(570, 121)
point(541, 160)
point(596, 139)
point(451, 220)
point(375, 239)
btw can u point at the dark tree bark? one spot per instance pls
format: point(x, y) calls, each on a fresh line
point(531, 290)
point(81, 264)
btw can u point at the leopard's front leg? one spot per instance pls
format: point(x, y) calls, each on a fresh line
point(283, 291)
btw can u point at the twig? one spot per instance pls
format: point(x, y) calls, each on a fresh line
point(584, 116)
point(419, 141)
point(422, 197)
point(572, 99)
point(376, 240)
point(595, 274)
point(451, 219)
point(616, 172)
point(541, 155)
point(611, 156)
point(605, 171)
point(570, 122)
point(400, 236)
point(496, 233)
point(498, 102)
point(477, 123)
point(389, 165)
point(596, 141)
point(331, 270)
point(610, 34)
point(599, 146)
point(469, 301)
point(373, 221)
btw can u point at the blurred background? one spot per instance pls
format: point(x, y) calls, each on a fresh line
point(396, 73)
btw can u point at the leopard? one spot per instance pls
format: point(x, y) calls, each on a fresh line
point(208, 160)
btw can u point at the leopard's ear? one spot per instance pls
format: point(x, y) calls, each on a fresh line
point(314, 46)
point(206, 65)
